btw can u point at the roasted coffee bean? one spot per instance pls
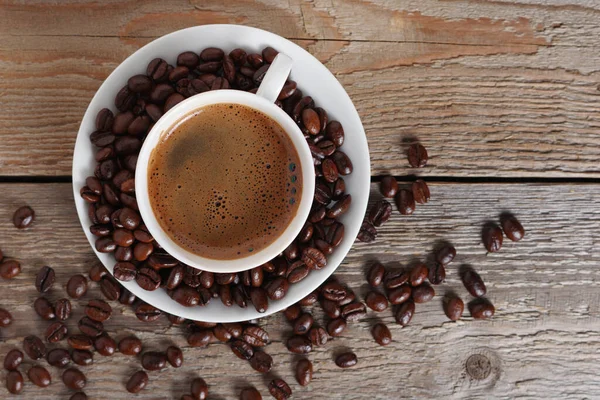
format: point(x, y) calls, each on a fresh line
point(418, 274)
point(34, 347)
point(23, 217)
point(197, 86)
point(306, 232)
point(142, 251)
point(137, 382)
point(299, 344)
point(238, 56)
point(417, 155)
point(420, 191)
point(277, 288)
point(186, 296)
point(211, 54)
point(154, 112)
point(148, 279)
point(340, 207)
point(62, 309)
point(381, 333)
point(102, 139)
point(336, 326)
point(292, 312)
point(173, 100)
point(327, 147)
point(335, 234)
point(120, 126)
point(13, 359)
point(242, 349)
point(280, 389)
point(105, 245)
point(224, 279)
point(405, 202)
point(127, 298)
point(304, 371)
point(206, 295)
point(389, 186)
point(380, 213)
point(394, 279)
point(90, 327)
point(492, 237)
point(82, 357)
point(376, 274)
point(314, 258)
point(123, 237)
point(255, 60)
point(445, 255)
point(14, 382)
point(142, 235)
point(44, 279)
point(56, 332)
point(297, 271)
point(287, 91)
point(342, 162)
point(175, 320)
point(161, 92)
point(259, 299)
point(200, 338)
point(346, 360)
point(105, 345)
point(110, 288)
point(339, 189)
point(333, 291)
point(399, 295)
point(139, 84)
point(322, 193)
point(107, 170)
point(291, 252)
point(43, 308)
point(318, 336)
point(437, 274)
point(188, 59)
point(147, 313)
point(423, 293)
point(162, 260)
point(80, 342)
point(481, 309)
point(261, 362)
point(199, 389)
point(335, 133)
point(453, 307)
point(94, 184)
point(354, 311)
point(405, 313)
point(331, 308)
point(125, 99)
point(207, 279)
point(367, 232)
point(512, 227)
point(255, 336)
point(315, 216)
point(303, 324)
point(310, 120)
point(39, 376)
point(222, 333)
point(89, 196)
point(154, 360)
point(58, 358)
point(178, 73)
point(104, 154)
point(269, 54)
point(124, 271)
point(129, 218)
point(104, 119)
point(101, 230)
point(376, 301)
point(473, 283)
point(324, 247)
point(77, 286)
point(98, 310)
point(130, 346)
point(9, 269)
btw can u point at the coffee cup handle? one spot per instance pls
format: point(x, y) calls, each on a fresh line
point(275, 78)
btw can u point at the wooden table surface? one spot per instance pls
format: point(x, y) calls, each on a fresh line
point(504, 95)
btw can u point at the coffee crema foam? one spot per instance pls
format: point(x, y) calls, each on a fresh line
point(225, 181)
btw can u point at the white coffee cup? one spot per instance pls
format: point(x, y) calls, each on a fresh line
point(262, 101)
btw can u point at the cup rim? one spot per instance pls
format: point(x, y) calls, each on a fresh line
point(181, 111)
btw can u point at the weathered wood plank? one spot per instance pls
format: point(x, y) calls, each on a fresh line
point(541, 343)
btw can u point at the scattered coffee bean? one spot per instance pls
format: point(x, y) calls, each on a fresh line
point(333, 291)
point(420, 191)
point(110, 288)
point(394, 279)
point(97, 272)
point(304, 371)
point(125, 271)
point(367, 232)
point(481, 309)
point(318, 336)
point(255, 336)
point(13, 359)
point(492, 237)
point(445, 255)
point(34, 347)
point(80, 342)
point(512, 227)
point(44, 279)
point(130, 346)
point(82, 357)
point(250, 393)
point(454, 307)
point(399, 295)
point(175, 356)
point(154, 360)
point(58, 357)
point(39, 376)
point(277, 288)
point(354, 311)
point(200, 338)
point(242, 349)
point(473, 283)
point(261, 362)
point(314, 258)
point(376, 301)
point(303, 324)
point(388, 186)
point(336, 326)
point(376, 274)
point(23, 217)
point(89, 327)
point(56, 332)
point(280, 389)
point(44, 308)
point(5, 318)
point(423, 293)
point(405, 313)
point(199, 389)
point(418, 274)
point(405, 202)
point(382, 335)
point(437, 274)
point(77, 286)
point(98, 310)
point(292, 312)
point(137, 382)
point(105, 345)
point(380, 213)
point(417, 155)
point(9, 269)
point(147, 313)
point(346, 360)
point(14, 382)
point(62, 309)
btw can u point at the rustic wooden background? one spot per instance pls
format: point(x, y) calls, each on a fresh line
point(505, 96)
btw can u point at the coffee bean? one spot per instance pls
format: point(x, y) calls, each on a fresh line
point(211, 54)
point(161, 260)
point(280, 389)
point(125, 99)
point(277, 288)
point(126, 297)
point(44, 279)
point(399, 295)
point(175, 356)
point(255, 336)
point(333, 291)
point(13, 359)
point(34, 347)
point(331, 308)
point(238, 56)
point(299, 344)
point(186, 296)
point(120, 127)
point(259, 299)
point(56, 332)
point(77, 286)
point(335, 133)
point(44, 308)
point(200, 338)
point(381, 333)
point(354, 311)
point(129, 218)
point(318, 336)
point(367, 233)
point(512, 227)
point(342, 162)
point(14, 382)
point(314, 258)
point(303, 324)
point(9, 269)
point(154, 360)
point(242, 349)
point(339, 188)
point(58, 358)
point(39, 376)
point(420, 191)
point(78, 396)
point(261, 362)
point(336, 326)
point(310, 120)
point(299, 270)
point(324, 247)
point(405, 202)
point(492, 237)
point(104, 119)
point(142, 251)
point(376, 301)
point(110, 288)
point(175, 319)
point(376, 274)
point(82, 357)
point(322, 193)
point(394, 279)
point(142, 235)
point(101, 230)
point(423, 293)
point(98, 310)
point(148, 279)
point(105, 245)
point(130, 346)
point(147, 313)
point(335, 234)
point(139, 84)
point(445, 255)
point(481, 309)
point(292, 312)
point(340, 207)
point(453, 307)
point(417, 155)
point(137, 382)
point(287, 91)
point(380, 212)
point(23, 217)
point(473, 283)
point(418, 274)
point(346, 360)
point(125, 271)
point(188, 59)
point(250, 393)
point(389, 186)
point(90, 327)
point(80, 342)
point(97, 271)
point(437, 274)
point(405, 313)
point(105, 345)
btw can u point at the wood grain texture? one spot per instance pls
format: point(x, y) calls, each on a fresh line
point(492, 88)
point(542, 341)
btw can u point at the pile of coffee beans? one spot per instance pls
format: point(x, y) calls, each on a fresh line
point(113, 208)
